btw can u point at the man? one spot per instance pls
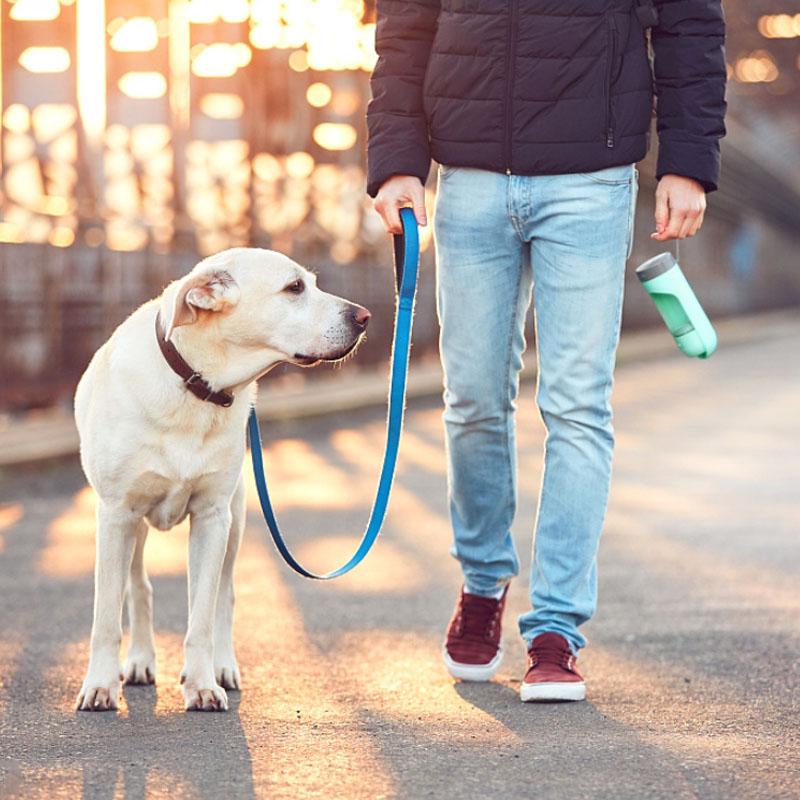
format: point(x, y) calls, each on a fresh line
point(536, 112)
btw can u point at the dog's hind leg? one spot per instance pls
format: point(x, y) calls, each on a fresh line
point(117, 530)
point(208, 542)
point(140, 665)
point(226, 669)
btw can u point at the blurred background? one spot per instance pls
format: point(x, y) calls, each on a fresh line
point(141, 135)
point(137, 136)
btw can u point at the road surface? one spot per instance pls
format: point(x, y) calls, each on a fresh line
point(693, 665)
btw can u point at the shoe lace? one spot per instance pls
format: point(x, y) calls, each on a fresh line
point(551, 653)
point(478, 617)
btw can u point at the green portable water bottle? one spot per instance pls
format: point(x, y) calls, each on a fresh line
point(665, 282)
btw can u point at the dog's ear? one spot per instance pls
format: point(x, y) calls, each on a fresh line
point(212, 290)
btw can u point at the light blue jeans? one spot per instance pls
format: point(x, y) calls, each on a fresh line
point(498, 238)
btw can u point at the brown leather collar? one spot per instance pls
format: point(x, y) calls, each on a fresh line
point(192, 380)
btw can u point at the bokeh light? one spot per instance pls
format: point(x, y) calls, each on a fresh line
point(335, 135)
point(45, 59)
point(143, 85)
point(35, 10)
point(172, 133)
point(779, 26)
point(757, 67)
point(135, 35)
point(319, 94)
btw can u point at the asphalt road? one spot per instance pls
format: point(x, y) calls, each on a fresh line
point(693, 665)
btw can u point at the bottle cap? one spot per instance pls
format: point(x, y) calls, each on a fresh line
point(656, 266)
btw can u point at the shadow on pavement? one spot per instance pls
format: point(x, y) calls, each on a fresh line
point(46, 748)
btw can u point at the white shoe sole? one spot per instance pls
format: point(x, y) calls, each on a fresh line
point(472, 672)
point(543, 692)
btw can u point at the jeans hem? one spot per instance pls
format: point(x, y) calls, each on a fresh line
point(531, 635)
point(488, 587)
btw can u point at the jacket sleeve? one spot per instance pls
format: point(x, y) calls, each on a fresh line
point(397, 142)
point(690, 76)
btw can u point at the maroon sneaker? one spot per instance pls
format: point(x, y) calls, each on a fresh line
point(551, 674)
point(472, 651)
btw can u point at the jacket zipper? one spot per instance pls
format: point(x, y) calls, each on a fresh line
point(512, 47)
point(612, 58)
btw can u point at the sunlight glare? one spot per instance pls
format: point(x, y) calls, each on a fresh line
point(222, 105)
point(17, 118)
point(299, 165)
point(35, 10)
point(91, 70)
point(218, 60)
point(136, 35)
point(143, 85)
point(319, 94)
point(45, 59)
point(335, 135)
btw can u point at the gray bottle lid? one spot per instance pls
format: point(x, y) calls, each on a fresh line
point(656, 266)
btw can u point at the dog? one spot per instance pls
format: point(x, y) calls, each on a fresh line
point(161, 412)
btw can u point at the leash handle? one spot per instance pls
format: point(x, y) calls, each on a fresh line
point(406, 258)
point(406, 262)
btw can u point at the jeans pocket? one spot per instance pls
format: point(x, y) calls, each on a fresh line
point(445, 170)
point(611, 176)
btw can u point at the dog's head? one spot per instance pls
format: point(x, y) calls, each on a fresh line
point(255, 298)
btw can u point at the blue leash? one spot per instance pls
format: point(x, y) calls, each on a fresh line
point(406, 260)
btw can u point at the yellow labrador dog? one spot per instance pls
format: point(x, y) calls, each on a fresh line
point(161, 412)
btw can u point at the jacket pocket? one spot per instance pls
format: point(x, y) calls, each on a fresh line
point(611, 61)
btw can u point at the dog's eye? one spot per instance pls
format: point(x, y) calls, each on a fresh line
point(295, 287)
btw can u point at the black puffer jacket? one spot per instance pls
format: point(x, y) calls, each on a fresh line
point(545, 86)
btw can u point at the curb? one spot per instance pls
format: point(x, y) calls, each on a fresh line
point(425, 380)
point(53, 435)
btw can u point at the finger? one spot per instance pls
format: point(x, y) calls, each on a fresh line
point(391, 217)
point(675, 224)
point(418, 204)
point(686, 226)
point(662, 211)
point(698, 223)
point(385, 208)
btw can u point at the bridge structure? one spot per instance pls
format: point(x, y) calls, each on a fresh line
point(138, 137)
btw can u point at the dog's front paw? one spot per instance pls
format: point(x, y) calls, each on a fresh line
point(99, 694)
point(212, 698)
point(140, 668)
point(226, 671)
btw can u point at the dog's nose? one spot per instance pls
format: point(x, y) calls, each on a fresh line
point(361, 316)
